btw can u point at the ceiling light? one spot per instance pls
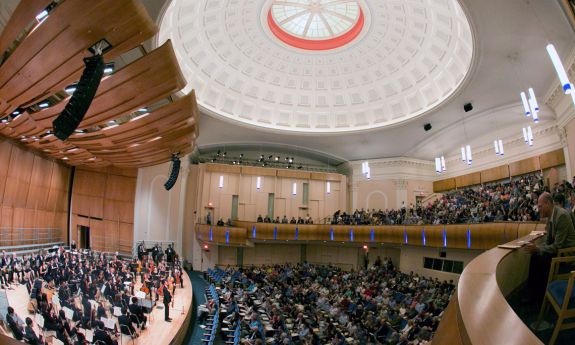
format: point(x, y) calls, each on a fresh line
point(42, 15)
point(277, 158)
point(4, 120)
point(529, 136)
point(65, 158)
point(468, 154)
point(16, 112)
point(154, 139)
point(463, 158)
point(501, 152)
point(109, 69)
point(221, 184)
point(71, 89)
point(438, 165)
point(258, 182)
point(143, 110)
point(328, 187)
point(567, 86)
point(525, 104)
point(443, 166)
point(525, 138)
point(43, 105)
point(294, 189)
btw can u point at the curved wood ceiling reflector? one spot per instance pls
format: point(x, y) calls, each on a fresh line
point(21, 17)
point(51, 56)
point(36, 70)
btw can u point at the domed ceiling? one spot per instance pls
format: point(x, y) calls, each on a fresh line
point(320, 65)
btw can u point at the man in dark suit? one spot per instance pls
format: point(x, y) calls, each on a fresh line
point(126, 324)
point(560, 234)
point(101, 335)
point(30, 335)
point(137, 310)
point(13, 324)
point(167, 301)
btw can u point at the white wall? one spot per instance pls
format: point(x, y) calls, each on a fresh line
point(159, 214)
point(411, 259)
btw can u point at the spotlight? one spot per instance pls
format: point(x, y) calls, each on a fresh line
point(224, 154)
point(270, 157)
point(109, 69)
point(213, 160)
point(42, 15)
point(45, 104)
point(4, 120)
point(290, 160)
point(241, 155)
point(261, 156)
point(277, 158)
point(16, 112)
point(218, 154)
point(70, 89)
point(143, 110)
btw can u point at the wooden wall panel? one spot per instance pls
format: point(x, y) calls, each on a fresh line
point(552, 159)
point(258, 171)
point(443, 185)
point(107, 197)
point(494, 174)
point(33, 195)
point(294, 174)
point(524, 166)
point(468, 180)
point(223, 168)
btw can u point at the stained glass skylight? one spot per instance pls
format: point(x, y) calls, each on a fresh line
point(316, 20)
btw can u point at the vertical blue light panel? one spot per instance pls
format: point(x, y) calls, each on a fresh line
point(228, 237)
point(331, 234)
point(405, 235)
point(254, 231)
point(423, 237)
point(211, 234)
point(468, 238)
point(372, 235)
point(351, 235)
point(296, 232)
point(444, 237)
point(275, 232)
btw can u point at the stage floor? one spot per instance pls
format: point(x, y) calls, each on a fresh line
point(157, 332)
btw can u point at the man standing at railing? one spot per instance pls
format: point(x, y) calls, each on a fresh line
point(560, 234)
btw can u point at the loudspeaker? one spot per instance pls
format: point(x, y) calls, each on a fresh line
point(468, 107)
point(73, 113)
point(427, 126)
point(174, 172)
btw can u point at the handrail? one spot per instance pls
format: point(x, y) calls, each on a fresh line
point(482, 315)
point(12, 236)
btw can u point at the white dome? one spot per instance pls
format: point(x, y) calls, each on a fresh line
point(409, 57)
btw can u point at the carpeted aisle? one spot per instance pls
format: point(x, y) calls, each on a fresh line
point(194, 336)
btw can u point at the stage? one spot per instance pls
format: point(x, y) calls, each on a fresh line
point(157, 332)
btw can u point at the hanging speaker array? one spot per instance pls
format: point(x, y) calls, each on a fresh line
point(174, 172)
point(69, 120)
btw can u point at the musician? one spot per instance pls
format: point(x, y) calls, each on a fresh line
point(170, 252)
point(138, 311)
point(103, 336)
point(167, 300)
point(124, 320)
point(12, 321)
point(141, 251)
point(30, 335)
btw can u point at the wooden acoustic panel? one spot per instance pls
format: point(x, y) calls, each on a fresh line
point(468, 180)
point(494, 174)
point(50, 57)
point(524, 166)
point(552, 159)
point(443, 185)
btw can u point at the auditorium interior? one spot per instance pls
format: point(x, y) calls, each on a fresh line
point(286, 172)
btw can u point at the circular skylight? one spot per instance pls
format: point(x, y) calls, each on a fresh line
point(315, 24)
point(407, 58)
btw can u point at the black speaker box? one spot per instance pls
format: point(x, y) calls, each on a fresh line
point(73, 113)
point(468, 107)
point(173, 174)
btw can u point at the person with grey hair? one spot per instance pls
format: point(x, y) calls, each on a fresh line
point(560, 234)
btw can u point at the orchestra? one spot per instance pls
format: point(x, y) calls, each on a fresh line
point(88, 285)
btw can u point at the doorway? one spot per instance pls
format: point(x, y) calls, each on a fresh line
point(83, 237)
